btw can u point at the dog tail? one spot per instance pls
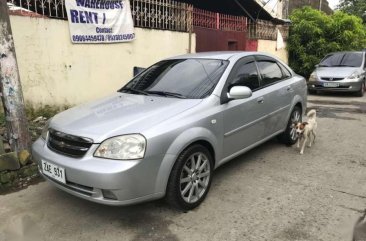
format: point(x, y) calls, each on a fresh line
point(311, 114)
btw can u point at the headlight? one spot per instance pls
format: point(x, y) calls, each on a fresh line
point(126, 147)
point(45, 130)
point(354, 75)
point(313, 77)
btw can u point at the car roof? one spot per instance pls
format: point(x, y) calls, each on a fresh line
point(344, 52)
point(223, 55)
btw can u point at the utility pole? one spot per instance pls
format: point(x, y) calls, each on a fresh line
point(320, 4)
point(10, 87)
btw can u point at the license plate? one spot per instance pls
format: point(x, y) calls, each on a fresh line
point(53, 171)
point(331, 85)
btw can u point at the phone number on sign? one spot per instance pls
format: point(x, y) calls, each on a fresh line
point(102, 38)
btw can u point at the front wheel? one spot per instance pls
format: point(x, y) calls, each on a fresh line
point(190, 178)
point(289, 136)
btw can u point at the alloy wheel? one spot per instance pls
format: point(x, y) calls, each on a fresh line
point(195, 177)
point(295, 118)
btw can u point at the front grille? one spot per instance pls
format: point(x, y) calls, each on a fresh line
point(331, 79)
point(69, 145)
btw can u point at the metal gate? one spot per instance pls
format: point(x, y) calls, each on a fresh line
point(219, 32)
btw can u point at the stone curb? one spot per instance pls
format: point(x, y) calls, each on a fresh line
point(10, 179)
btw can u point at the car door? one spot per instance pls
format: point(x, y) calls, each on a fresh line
point(243, 118)
point(277, 93)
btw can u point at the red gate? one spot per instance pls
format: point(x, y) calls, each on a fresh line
point(219, 32)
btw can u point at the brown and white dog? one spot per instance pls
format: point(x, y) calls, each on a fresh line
point(305, 130)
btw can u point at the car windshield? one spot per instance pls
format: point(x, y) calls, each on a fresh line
point(179, 78)
point(342, 60)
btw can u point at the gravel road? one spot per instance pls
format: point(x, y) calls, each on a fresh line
point(269, 193)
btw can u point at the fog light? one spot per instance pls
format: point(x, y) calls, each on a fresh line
point(109, 195)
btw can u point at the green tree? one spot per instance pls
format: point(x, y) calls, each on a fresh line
point(354, 7)
point(314, 34)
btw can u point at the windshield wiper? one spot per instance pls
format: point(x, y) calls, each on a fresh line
point(134, 90)
point(165, 93)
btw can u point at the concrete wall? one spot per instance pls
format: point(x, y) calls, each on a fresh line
point(56, 72)
point(269, 46)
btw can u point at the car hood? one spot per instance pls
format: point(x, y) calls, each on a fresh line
point(119, 114)
point(336, 72)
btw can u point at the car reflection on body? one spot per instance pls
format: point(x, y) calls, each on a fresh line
point(164, 132)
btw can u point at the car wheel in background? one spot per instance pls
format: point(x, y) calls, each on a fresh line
point(190, 178)
point(289, 136)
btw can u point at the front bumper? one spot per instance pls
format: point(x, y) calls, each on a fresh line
point(343, 86)
point(110, 182)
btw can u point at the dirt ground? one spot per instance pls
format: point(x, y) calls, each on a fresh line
point(269, 193)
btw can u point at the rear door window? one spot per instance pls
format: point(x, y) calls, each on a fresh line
point(286, 73)
point(270, 72)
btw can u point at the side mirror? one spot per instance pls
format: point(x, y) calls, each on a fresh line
point(240, 92)
point(317, 65)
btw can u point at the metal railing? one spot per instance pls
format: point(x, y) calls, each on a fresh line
point(162, 14)
point(158, 14)
point(49, 8)
point(212, 20)
point(169, 15)
point(266, 30)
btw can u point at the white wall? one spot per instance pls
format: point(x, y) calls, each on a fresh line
point(54, 71)
point(269, 46)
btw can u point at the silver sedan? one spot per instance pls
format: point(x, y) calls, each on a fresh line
point(165, 131)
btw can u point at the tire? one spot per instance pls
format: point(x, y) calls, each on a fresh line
point(361, 91)
point(289, 136)
point(186, 189)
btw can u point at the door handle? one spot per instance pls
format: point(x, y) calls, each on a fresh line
point(260, 100)
point(289, 88)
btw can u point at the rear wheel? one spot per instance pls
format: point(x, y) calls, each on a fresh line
point(190, 178)
point(289, 137)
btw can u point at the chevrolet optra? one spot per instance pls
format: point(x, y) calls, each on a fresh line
point(165, 131)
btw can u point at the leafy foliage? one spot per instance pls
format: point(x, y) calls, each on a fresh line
point(45, 111)
point(354, 7)
point(314, 34)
